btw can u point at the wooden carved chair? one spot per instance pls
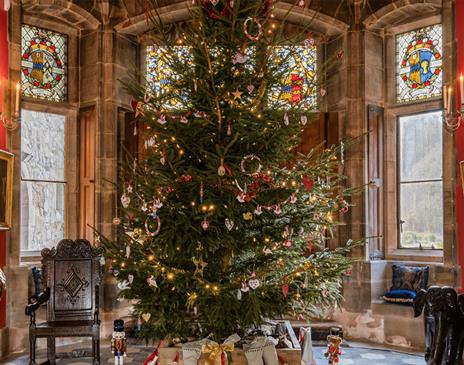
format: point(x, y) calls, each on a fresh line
point(72, 275)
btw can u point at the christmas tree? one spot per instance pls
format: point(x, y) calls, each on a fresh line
point(222, 224)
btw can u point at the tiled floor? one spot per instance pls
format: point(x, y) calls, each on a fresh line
point(138, 354)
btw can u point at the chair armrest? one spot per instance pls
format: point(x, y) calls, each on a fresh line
point(37, 302)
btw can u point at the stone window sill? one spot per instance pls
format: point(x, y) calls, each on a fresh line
point(416, 255)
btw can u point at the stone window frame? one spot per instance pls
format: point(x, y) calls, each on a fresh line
point(68, 109)
point(393, 112)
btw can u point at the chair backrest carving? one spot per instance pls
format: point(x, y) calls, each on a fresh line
point(72, 271)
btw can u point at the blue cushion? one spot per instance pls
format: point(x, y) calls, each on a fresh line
point(411, 278)
point(400, 296)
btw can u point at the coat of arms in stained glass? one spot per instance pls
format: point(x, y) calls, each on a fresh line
point(419, 64)
point(43, 63)
point(298, 66)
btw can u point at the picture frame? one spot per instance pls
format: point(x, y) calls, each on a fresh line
point(6, 189)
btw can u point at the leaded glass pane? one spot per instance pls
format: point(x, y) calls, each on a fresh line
point(421, 181)
point(419, 64)
point(43, 63)
point(42, 179)
point(42, 214)
point(42, 146)
point(298, 66)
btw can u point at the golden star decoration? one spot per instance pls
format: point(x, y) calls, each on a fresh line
point(237, 94)
point(199, 266)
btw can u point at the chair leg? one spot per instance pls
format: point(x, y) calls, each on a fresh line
point(51, 350)
point(96, 351)
point(32, 350)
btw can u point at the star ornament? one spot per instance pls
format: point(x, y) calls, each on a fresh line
point(237, 94)
point(199, 266)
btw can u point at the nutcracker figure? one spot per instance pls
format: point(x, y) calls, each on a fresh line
point(333, 349)
point(118, 342)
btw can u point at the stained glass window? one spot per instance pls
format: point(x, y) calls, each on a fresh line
point(299, 84)
point(419, 64)
point(160, 75)
point(297, 65)
point(42, 180)
point(43, 63)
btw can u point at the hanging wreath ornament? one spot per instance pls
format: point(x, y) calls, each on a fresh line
point(249, 158)
point(256, 37)
point(158, 225)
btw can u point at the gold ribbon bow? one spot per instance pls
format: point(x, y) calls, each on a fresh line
point(214, 350)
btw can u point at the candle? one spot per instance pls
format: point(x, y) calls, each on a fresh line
point(445, 97)
point(461, 89)
point(18, 95)
point(450, 92)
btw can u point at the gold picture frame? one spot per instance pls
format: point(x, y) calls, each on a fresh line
point(6, 189)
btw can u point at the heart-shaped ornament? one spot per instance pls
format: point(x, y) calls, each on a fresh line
point(254, 284)
point(134, 103)
point(229, 224)
point(308, 183)
point(250, 88)
point(130, 277)
point(146, 316)
point(304, 120)
point(125, 200)
point(323, 91)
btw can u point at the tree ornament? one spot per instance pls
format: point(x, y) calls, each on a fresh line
point(304, 120)
point(116, 221)
point(125, 201)
point(162, 119)
point(158, 225)
point(342, 152)
point(241, 197)
point(277, 210)
point(199, 266)
point(237, 94)
point(205, 224)
point(323, 92)
point(309, 42)
point(333, 349)
point(137, 233)
point(151, 281)
point(229, 224)
point(239, 58)
point(248, 216)
point(115, 272)
point(200, 114)
point(288, 243)
point(308, 183)
point(250, 88)
point(163, 160)
point(253, 282)
point(344, 206)
point(259, 34)
point(247, 159)
point(128, 251)
point(244, 287)
point(202, 192)
point(184, 120)
point(259, 210)
point(123, 285)
point(239, 294)
point(221, 168)
point(130, 278)
point(146, 316)
point(285, 287)
point(293, 198)
point(286, 119)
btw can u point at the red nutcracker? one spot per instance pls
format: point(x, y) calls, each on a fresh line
point(333, 349)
